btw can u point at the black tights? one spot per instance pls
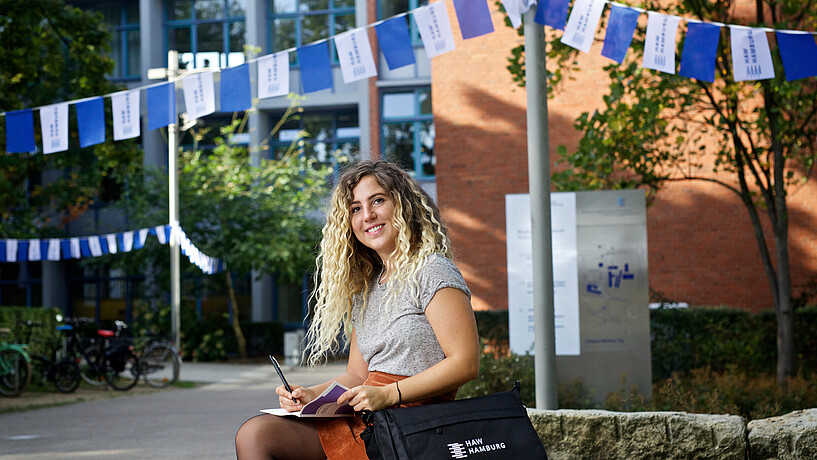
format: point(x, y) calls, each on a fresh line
point(280, 438)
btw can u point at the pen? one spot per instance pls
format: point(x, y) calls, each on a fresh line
point(281, 374)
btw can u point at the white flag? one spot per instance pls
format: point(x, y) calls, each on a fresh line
point(435, 29)
point(355, 55)
point(582, 24)
point(659, 46)
point(11, 250)
point(516, 8)
point(54, 125)
point(127, 242)
point(143, 236)
point(94, 246)
point(125, 107)
point(111, 239)
point(160, 234)
point(34, 250)
point(751, 58)
point(53, 249)
point(199, 97)
point(273, 75)
point(76, 253)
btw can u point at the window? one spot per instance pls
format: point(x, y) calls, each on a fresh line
point(328, 134)
point(206, 33)
point(408, 131)
point(296, 23)
point(123, 21)
point(389, 8)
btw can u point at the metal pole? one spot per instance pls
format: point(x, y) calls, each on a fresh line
point(539, 183)
point(173, 208)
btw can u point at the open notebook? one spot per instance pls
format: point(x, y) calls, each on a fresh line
point(325, 405)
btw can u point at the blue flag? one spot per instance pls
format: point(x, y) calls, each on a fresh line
point(799, 54)
point(235, 89)
point(91, 121)
point(316, 68)
point(700, 49)
point(474, 18)
point(620, 30)
point(395, 42)
point(552, 13)
point(161, 105)
point(20, 132)
point(22, 250)
point(2, 250)
point(84, 248)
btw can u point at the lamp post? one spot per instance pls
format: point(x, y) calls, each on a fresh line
point(172, 74)
point(539, 184)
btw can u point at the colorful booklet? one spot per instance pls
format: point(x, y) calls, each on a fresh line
point(325, 405)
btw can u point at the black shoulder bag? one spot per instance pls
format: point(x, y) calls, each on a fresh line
point(486, 427)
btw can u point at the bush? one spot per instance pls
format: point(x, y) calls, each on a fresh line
point(41, 340)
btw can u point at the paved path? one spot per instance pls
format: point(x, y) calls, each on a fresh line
point(190, 423)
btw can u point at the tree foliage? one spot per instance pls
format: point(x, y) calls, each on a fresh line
point(754, 138)
point(52, 52)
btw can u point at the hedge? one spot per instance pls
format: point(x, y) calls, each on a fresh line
point(42, 340)
point(691, 338)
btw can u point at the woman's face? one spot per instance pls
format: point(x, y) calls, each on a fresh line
point(372, 213)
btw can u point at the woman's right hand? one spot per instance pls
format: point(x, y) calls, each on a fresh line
point(302, 396)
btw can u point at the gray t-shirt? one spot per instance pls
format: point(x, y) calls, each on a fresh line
point(398, 339)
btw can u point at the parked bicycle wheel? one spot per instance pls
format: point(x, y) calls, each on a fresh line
point(160, 365)
point(90, 366)
point(122, 372)
point(66, 376)
point(15, 370)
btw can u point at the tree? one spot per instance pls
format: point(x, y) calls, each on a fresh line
point(52, 52)
point(755, 138)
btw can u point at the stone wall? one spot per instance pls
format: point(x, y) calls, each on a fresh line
point(596, 434)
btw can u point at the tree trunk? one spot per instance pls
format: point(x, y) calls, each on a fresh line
point(239, 336)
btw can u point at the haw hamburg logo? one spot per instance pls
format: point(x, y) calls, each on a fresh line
point(472, 446)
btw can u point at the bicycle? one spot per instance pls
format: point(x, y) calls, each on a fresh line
point(160, 362)
point(111, 361)
point(15, 366)
point(64, 373)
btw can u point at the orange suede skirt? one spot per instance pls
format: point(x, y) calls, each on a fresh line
point(340, 437)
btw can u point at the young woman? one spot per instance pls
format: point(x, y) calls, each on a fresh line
point(386, 282)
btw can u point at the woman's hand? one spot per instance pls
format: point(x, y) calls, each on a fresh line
point(302, 396)
point(371, 398)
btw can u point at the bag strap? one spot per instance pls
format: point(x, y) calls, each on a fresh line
point(368, 417)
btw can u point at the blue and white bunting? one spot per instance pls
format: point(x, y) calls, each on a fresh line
point(125, 115)
point(316, 67)
point(474, 17)
point(54, 127)
point(91, 121)
point(273, 75)
point(620, 29)
point(355, 55)
point(11, 250)
point(700, 51)
point(798, 53)
point(582, 24)
point(199, 95)
point(21, 123)
point(94, 246)
point(659, 45)
point(395, 42)
point(111, 240)
point(162, 105)
point(34, 253)
point(751, 57)
point(435, 29)
point(235, 89)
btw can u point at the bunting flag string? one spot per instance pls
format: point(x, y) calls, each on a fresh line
point(750, 53)
point(55, 249)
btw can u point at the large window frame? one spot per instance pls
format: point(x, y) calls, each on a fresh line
point(122, 19)
point(327, 133)
point(418, 121)
point(196, 17)
point(292, 18)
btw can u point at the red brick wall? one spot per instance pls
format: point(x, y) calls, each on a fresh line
point(702, 248)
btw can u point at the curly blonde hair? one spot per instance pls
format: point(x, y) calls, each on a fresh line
point(347, 269)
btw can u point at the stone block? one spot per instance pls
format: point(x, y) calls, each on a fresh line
point(787, 437)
